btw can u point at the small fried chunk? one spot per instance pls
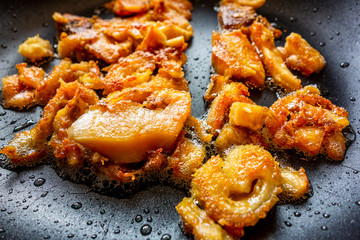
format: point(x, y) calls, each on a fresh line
point(299, 55)
point(263, 39)
point(247, 115)
point(294, 184)
point(235, 57)
point(36, 49)
point(128, 7)
point(124, 128)
point(238, 191)
point(19, 91)
point(198, 223)
point(308, 122)
point(219, 109)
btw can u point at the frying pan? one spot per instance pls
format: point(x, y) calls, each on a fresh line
point(36, 203)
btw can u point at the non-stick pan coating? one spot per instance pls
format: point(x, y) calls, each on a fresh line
point(59, 209)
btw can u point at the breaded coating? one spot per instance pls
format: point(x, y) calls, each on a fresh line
point(299, 55)
point(263, 39)
point(36, 49)
point(308, 122)
point(233, 56)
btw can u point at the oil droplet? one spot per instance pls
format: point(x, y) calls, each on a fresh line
point(2, 230)
point(138, 218)
point(344, 64)
point(156, 211)
point(166, 237)
point(297, 214)
point(317, 212)
point(44, 194)
point(47, 237)
point(146, 211)
point(325, 215)
point(13, 122)
point(315, 10)
point(352, 99)
point(93, 236)
point(89, 222)
point(39, 182)
point(25, 125)
point(76, 205)
point(70, 235)
point(293, 19)
point(324, 228)
point(312, 33)
point(322, 44)
point(149, 219)
point(355, 172)
point(358, 203)
point(14, 29)
point(45, 24)
point(102, 212)
point(117, 231)
point(337, 33)
point(288, 224)
point(145, 230)
point(3, 46)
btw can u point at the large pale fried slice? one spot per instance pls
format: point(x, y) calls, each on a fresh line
point(125, 128)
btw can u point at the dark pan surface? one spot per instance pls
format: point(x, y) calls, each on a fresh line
point(48, 211)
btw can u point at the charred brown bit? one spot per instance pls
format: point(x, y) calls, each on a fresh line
point(233, 56)
point(263, 39)
point(30, 146)
point(299, 55)
point(235, 16)
point(124, 128)
point(308, 122)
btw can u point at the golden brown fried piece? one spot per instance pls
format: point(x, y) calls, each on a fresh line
point(233, 16)
point(219, 109)
point(198, 223)
point(231, 136)
point(125, 127)
point(263, 39)
point(129, 71)
point(294, 184)
point(308, 122)
point(238, 191)
point(233, 56)
point(30, 146)
point(252, 3)
point(128, 7)
point(299, 55)
point(19, 91)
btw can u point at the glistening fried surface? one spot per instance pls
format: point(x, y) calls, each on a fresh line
point(308, 122)
point(299, 55)
point(264, 41)
point(233, 56)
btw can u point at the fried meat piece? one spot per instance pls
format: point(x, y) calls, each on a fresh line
point(295, 184)
point(308, 122)
point(19, 90)
point(219, 109)
point(128, 7)
point(299, 55)
point(125, 127)
point(30, 146)
point(263, 39)
point(235, 16)
point(235, 57)
point(252, 3)
point(198, 223)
